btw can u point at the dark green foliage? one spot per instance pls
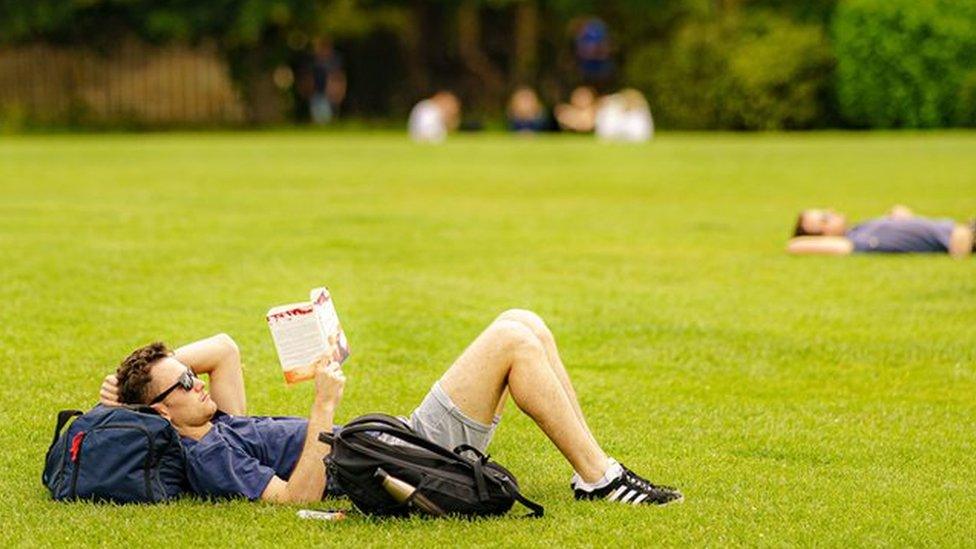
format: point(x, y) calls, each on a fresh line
point(755, 71)
point(819, 11)
point(740, 64)
point(966, 108)
point(232, 22)
point(252, 35)
point(906, 63)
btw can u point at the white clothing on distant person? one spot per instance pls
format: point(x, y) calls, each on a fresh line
point(427, 122)
point(624, 116)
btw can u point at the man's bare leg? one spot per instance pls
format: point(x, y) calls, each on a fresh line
point(509, 356)
point(538, 326)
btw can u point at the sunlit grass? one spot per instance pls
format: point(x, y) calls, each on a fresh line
point(793, 400)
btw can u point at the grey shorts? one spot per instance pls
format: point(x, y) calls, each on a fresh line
point(439, 419)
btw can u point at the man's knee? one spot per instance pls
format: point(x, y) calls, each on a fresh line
point(514, 337)
point(531, 320)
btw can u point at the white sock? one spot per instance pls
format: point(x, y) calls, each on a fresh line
point(614, 470)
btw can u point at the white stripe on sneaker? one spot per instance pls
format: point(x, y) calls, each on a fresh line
point(621, 493)
point(639, 499)
point(613, 495)
point(629, 495)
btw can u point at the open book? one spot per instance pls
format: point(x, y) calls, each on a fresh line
point(305, 332)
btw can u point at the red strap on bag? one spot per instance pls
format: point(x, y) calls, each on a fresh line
point(76, 444)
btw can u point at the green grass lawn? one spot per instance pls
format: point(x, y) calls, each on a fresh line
point(802, 401)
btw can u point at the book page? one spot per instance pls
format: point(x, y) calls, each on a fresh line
point(298, 338)
point(329, 323)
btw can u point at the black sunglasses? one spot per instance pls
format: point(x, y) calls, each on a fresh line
point(186, 380)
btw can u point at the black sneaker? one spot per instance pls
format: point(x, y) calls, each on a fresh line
point(632, 489)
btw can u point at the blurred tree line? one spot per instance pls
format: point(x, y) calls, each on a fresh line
point(737, 64)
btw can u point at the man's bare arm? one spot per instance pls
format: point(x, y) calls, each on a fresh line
point(307, 481)
point(335, 87)
point(961, 241)
point(820, 245)
point(218, 357)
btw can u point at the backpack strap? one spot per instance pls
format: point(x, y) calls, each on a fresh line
point(479, 480)
point(537, 510)
point(327, 437)
point(461, 448)
point(141, 408)
point(385, 419)
point(505, 479)
point(399, 431)
point(478, 466)
point(64, 416)
point(510, 487)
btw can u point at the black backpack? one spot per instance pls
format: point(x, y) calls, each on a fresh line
point(464, 482)
point(124, 454)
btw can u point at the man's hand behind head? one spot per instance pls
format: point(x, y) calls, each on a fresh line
point(329, 382)
point(899, 211)
point(109, 393)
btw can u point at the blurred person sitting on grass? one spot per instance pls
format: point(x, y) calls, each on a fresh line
point(328, 82)
point(579, 115)
point(431, 119)
point(525, 112)
point(624, 116)
point(826, 232)
point(280, 459)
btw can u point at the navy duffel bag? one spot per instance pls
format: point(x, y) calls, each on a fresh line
point(123, 454)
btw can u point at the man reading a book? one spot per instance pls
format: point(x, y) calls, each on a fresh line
point(231, 454)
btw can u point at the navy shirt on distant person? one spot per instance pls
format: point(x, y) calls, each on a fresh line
point(240, 454)
point(917, 234)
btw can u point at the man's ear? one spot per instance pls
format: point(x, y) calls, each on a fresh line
point(161, 409)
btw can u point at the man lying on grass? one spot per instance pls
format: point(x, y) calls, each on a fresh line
point(230, 454)
point(900, 231)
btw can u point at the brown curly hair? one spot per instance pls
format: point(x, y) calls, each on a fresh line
point(134, 373)
point(800, 230)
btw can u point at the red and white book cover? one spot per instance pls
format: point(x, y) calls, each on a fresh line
point(305, 332)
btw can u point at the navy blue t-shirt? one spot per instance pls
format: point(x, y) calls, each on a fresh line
point(240, 454)
point(917, 234)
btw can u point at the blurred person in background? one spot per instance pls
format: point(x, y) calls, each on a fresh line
point(431, 119)
point(328, 81)
point(591, 43)
point(525, 112)
point(624, 116)
point(826, 232)
point(579, 115)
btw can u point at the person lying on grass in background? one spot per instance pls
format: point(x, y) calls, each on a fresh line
point(231, 454)
point(900, 231)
